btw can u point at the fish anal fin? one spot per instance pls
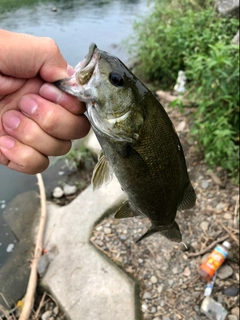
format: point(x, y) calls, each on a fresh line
point(125, 211)
point(189, 198)
point(102, 173)
point(171, 232)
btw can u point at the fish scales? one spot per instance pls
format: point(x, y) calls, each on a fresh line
point(138, 140)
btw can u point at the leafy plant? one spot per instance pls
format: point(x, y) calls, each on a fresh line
point(78, 157)
point(215, 89)
point(189, 35)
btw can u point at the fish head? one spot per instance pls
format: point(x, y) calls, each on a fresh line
point(113, 95)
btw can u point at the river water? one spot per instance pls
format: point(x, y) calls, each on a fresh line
point(73, 25)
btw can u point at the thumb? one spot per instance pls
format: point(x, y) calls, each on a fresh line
point(24, 56)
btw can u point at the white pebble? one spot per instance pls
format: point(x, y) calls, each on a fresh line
point(204, 225)
point(227, 216)
point(147, 295)
point(58, 192)
point(107, 230)
point(153, 279)
point(46, 315)
point(56, 311)
point(144, 308)
point(175, 270)
point(69, 190)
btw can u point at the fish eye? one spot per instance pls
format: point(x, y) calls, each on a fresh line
point(116, 79)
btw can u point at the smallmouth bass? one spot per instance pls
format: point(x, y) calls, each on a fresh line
point(138, 140)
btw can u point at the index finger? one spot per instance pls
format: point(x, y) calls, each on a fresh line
point(70, 103)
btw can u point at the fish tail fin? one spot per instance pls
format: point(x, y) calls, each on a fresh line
point(171, 232)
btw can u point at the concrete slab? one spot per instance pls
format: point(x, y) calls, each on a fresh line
point(86, 283)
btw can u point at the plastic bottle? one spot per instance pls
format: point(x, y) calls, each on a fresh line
point(214, 261)
point(213, 310)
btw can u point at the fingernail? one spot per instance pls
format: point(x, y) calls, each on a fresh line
point(28, 105)
point(50, 92)
point(10, 120)
point(6, 142)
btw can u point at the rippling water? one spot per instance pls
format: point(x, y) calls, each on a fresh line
point(73, 26)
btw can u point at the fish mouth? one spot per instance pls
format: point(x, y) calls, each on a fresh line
point(85, 69)
point(83, 72)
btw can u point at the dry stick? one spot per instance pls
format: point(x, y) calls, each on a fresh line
point(32, 283)
point(229, 232)
point(212, 245)
point(36, 316)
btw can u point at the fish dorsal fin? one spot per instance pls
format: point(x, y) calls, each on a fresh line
point(125, 211)
point(171, 232)
point(189, 198)
point(102, 173)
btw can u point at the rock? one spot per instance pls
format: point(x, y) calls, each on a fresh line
point(57, 192)
point(153, 279)
point(181, 126)
point(157, 318)
point(204, 226)
point(69, 190)
point(107, 230)
point(228, 8)
point(231, 291)
point(160, 289)
point(56, 311)
point(235, 311)
point(175, 270)
point(235, 39)
point(232, 317)
point(220, 206)
point(170, 282)
point(195, 245)
point(54, 9)
point(204, 184)
point(153, 309)
point(196, 294)
point(224, 272)
point(227, 216)
point(46, 315)
point(165, 318)
point(187, 272)
point(147, 295)
point(144, 308)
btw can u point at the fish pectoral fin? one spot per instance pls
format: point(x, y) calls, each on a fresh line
point(102, 173)
point(125, 211)
point(171, 232)
point(189, 198)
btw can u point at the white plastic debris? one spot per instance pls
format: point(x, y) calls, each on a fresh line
point(181, 82)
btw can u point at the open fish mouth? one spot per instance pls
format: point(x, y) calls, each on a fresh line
point(85, 68)
point(83, 72)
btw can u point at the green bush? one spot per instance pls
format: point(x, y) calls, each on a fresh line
point(183, 35)
point(215, 89)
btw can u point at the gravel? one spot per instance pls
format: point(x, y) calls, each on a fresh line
point(170, 285)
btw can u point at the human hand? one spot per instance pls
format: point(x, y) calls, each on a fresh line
point(37, 120)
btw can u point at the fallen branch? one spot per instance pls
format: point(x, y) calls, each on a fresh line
point(32, 283)
point(229, 232)
point(212, 245)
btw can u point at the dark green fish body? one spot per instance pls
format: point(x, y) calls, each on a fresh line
point(139, 143)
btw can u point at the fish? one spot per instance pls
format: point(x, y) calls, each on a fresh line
point(138, 140)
